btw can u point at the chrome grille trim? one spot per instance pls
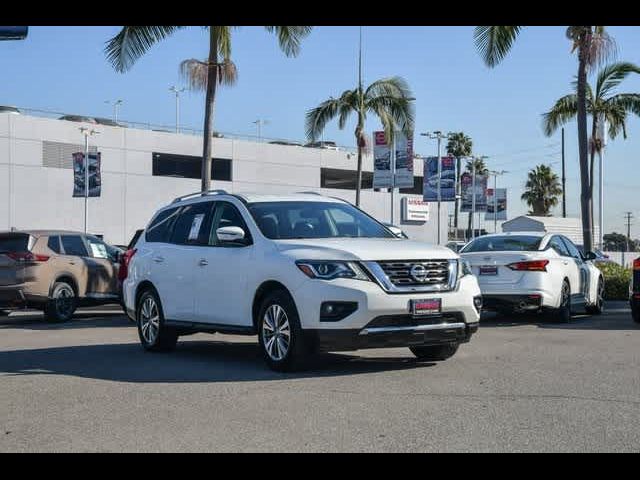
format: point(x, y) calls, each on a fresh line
point(393, 276)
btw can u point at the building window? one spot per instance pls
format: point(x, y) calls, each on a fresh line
point(189, 166)
point(344, 179)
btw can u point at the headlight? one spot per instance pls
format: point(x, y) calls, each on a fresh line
point(328, 270)
point(465, 268)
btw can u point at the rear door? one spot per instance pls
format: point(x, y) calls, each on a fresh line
point(569, 267)
point(582, 266)
point(74, 260)
point(103, 270)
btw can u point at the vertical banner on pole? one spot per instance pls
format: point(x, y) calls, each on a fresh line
point(404, 161)
point(447, 179)
point(467, 192)
point(500, 200)
point(95, 178)
point(382, 174)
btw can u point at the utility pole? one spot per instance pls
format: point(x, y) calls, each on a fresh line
point(495, 197)
point(438, 135)
point(177, 92)
point(564, 182)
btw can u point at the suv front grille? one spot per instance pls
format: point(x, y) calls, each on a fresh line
point(434, 272)
point(409, 276)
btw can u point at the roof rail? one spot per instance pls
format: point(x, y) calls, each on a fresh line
point(311, 193)
point(195, 194)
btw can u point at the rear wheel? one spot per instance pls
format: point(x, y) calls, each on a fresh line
point(154, 335)
point(62, 304)
point(598, 306)
point(435, 352)
point(563, 312)
point(4, 313)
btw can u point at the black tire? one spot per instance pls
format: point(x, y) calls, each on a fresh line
point(4, 313)
point(270, 319)
point(598, 307)
point(154, 335)
point(62, 303)
point(562, 314)
point(435, 353)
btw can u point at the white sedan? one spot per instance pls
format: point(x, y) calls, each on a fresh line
point(534, 271)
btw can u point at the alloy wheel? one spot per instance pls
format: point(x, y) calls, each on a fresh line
point(149, 320)
point(276, 332)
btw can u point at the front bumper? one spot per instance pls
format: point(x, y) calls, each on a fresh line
point(445, 332)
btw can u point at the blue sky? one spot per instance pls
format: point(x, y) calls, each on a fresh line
point(64, 69)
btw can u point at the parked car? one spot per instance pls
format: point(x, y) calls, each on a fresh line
point(283, 142)
point(78, 118)
point(634, 291)
point(108, 122)
point(535, 271)
point(323, 144)
point(9, 109)
point(56, 271)
point(397, 231)
point(456, 245)
point(304, 272)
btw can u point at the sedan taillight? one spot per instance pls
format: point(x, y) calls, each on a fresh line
point(636, 264)
point(530, 266)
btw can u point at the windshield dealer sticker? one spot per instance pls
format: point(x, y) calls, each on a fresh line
point(195, 226)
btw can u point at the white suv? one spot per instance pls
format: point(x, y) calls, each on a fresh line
point(305, 272)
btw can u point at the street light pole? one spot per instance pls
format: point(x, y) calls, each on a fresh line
point(86, 132)
point(116, 104)
point(177, 92)
point(495, 197)
point(259, 124)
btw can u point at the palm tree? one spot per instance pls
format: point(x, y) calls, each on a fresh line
point(390, 99)
point(602, 105)
point(593, 46)
point(458, 146)
point(542, 190)
point(131, 43)
point(480, 169)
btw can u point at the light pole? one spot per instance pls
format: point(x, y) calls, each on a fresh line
point(86, 132)
point(438, 135)
point(116, 104)
point(259, 123)
point(495, 197)
point(177, 92)
point(602, 134)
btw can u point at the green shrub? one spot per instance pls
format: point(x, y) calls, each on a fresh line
point(616, 281)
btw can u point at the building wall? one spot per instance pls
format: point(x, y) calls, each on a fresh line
point(33, 195)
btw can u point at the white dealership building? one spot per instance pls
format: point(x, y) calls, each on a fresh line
point(144, 169)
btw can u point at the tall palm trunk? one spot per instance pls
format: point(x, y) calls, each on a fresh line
point(583, 144)
point(592, 153)
point(457, 203)
point(212, 83)
point(359, 142)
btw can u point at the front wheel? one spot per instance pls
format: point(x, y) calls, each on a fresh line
point(62, 304)
point(598, 307)
point(279, 333)
point(154, 335)
point(435, 352)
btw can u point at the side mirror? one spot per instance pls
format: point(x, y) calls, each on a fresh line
point(590, 256)
point(230, 234)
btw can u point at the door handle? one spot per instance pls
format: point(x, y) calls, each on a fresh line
point(158, 259)
point(565, 262)
point(203, 262)
point(72, 263)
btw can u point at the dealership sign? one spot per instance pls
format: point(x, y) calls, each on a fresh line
point(95, 180)
point(446, 179)
point(404, 161)
point(498, 203)
point(414, 210)
point(382, 175)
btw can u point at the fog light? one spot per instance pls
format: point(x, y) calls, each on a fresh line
point(477, 302)
point(336, 311)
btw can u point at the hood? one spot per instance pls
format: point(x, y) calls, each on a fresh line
point(363, 249)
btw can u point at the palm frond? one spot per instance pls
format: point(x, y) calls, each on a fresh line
point(348, 105)
point(564, 110)
point(132, 42)
point(317, 118)
point(290, 38)
point(494, 42)
point(391, 98)
point(612, 75)
point(196, 73)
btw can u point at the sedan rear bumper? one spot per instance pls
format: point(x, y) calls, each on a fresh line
point(523, 303)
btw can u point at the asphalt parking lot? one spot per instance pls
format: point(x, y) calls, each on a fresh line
point(520, 385)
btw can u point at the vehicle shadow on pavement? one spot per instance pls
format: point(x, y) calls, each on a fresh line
point(192, 361)
point(36, 321)
point(616, 316)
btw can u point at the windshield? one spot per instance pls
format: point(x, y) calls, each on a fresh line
point(507, 243)
point(288, 220)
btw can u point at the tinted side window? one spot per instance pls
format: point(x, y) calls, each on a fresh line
point(559, 246)
point(160, 226)
point(73, 245)
point(227, 215)
point(573, 250)
point(54, 244)
point(193, 224)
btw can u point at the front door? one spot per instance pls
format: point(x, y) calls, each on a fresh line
point(102, 283)
point(222, 271)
